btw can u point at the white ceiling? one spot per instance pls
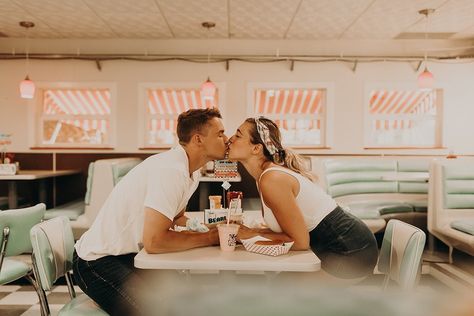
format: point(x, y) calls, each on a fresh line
point(241, 19)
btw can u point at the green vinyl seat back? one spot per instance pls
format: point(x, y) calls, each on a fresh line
point(53, 247)
point(358, 176)
point(119, 170)
point(458, 180)
point(90, 176)
point(400, 254)
point(15, 228)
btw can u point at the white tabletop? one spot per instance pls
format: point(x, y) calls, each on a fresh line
point(212, 258)
point(38, 174)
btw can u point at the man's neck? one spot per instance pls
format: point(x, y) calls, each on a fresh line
point(195, 159)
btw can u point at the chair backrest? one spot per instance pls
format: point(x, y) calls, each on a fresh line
point(15, 228)
point(400, 255)
point(53, 247)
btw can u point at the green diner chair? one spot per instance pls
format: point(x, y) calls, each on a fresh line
point(400, 254)
point(15, 225)
point(53, 247)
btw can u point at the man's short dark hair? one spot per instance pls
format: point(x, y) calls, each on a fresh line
point(192, 121)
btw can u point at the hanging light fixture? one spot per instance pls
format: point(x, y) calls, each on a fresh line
point(27, 87)
point(208, 88)
point(426, 78)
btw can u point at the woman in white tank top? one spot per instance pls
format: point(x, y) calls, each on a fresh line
point(297, 209)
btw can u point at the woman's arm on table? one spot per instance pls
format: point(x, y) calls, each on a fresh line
point(279, 191)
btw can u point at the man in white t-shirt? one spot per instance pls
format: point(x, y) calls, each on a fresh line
point(140, 211)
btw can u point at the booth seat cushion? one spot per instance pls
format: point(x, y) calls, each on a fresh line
point(13, 270)
point(420, 206)
point(375, 209)
point(71, 210)
point(82, 305)
point(465, 226)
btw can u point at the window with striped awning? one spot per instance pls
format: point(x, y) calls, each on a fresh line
point(163, 105)
point(299, 113)
point(404, 118)
point(75, 117)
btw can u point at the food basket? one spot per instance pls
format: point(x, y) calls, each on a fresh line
point(269, 250)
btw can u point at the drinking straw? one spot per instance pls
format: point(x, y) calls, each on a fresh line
point(235, 209)
point(228, 216)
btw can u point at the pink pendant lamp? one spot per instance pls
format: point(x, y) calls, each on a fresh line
point(27, 87)
point(208, 88)
point(426, 79)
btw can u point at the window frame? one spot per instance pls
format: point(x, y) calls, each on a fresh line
point(143, 114)
point(439, 128)
point(327, 115)
point(36, 115)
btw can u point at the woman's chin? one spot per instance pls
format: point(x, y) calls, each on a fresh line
point(231, 158)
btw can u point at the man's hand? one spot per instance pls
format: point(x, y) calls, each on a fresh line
point(158, 238)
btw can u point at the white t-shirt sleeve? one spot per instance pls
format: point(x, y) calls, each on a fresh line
point(165, 191)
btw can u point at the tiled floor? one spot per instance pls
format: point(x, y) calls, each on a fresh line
point(20, 298)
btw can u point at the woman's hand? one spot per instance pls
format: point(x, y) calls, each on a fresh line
point(246, 233)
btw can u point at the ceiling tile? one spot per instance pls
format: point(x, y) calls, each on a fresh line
point(122, 6)
point(8, 6)
point(9, 25)
point(454, 16)
point(52, 6)
point(138, 25)
point(185, 17)
point(325, 19)
point(77, 25)
point(384, 19)
point(261, 19)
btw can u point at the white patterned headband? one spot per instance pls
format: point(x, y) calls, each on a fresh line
point(264, 133)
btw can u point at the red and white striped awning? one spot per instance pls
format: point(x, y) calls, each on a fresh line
point(76, 102)
point(281, 104)
point(398, 102)
point(288, 101)
point(175, 101)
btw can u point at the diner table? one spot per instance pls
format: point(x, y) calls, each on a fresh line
point(240, 260)
point(32, 175)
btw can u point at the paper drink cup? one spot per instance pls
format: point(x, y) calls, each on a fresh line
point(228, 236)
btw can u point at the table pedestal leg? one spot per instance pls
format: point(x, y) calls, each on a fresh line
point(42, 194)
point(12, 195)
point(204, 188)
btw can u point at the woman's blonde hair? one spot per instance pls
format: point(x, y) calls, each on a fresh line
point(272, 147)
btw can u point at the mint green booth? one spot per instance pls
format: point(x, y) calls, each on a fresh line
point(103, 175)
point(377, 189)
point(451, 203)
